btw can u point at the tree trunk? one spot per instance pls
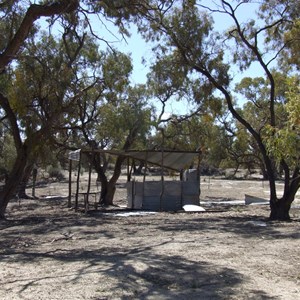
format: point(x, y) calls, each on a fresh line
point(138, 170)
point(24, 181)
point(101, 177)
point(280, 207)
point(3, 174)
point(34, 176)
point(108, 189)
point(263, 171)
point(13, 181)
point(108, 198)
point(280, 210)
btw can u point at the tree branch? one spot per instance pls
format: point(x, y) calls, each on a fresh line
point(33, 13)
point(13, 121)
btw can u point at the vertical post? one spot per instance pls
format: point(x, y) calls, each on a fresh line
point(128, 171)
point(70, 183)
point(198, 173)
point(88, 188)
point(34, 175)
point(133, 190)
point(162, 167)
point(162, 179)
point(144, 178)
point(77, 184)
point(181, 188)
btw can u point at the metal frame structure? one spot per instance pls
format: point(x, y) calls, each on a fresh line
point(165, 159)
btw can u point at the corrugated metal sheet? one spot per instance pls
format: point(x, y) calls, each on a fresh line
point(174, 160)
point(167, 203)
point(147, 195)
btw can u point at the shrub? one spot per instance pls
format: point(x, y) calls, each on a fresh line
point(56, 173)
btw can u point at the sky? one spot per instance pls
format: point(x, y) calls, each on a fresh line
point(133, 45)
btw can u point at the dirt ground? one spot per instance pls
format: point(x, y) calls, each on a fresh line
point(231, 251)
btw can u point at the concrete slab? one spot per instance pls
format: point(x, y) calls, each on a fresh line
point(255, 200)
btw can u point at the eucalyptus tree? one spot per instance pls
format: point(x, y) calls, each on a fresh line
point(127, 126)
point(185, 31)
point(18, 23)
point(255, 90)
point(44, 87)
point(112, 116)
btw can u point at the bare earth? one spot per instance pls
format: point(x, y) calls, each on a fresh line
point(231, 251)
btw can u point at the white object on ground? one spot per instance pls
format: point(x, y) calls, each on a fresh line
point(257, 223)
point(192, 207)
point(136, 213)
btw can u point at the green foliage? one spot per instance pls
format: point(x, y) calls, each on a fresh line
point(256, 111)
point(293, 104)
point(11, 14)
point(287, 29)
point(40, 80)
point(110, 111)
point(7, 152)
point(197, 132)
point(116, 68)
point(284, 143)
point(167, 77)
point(119, 119)
point(55, 173)
point(293, 42)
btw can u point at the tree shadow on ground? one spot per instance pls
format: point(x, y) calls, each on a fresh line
point(243, 226)
point(246, 226)
point(140, 273)
point(134, 271)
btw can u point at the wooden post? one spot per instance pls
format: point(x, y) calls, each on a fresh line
point(198, 173)
point(77, 185)
point(144, 178)
point(162, 180)
point(34, 175)
point(128, 171)
point(162, 167)
point(88, 188)
point(181, 188)
point(70, 184)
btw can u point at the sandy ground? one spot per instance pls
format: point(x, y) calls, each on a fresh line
point(231, 251)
